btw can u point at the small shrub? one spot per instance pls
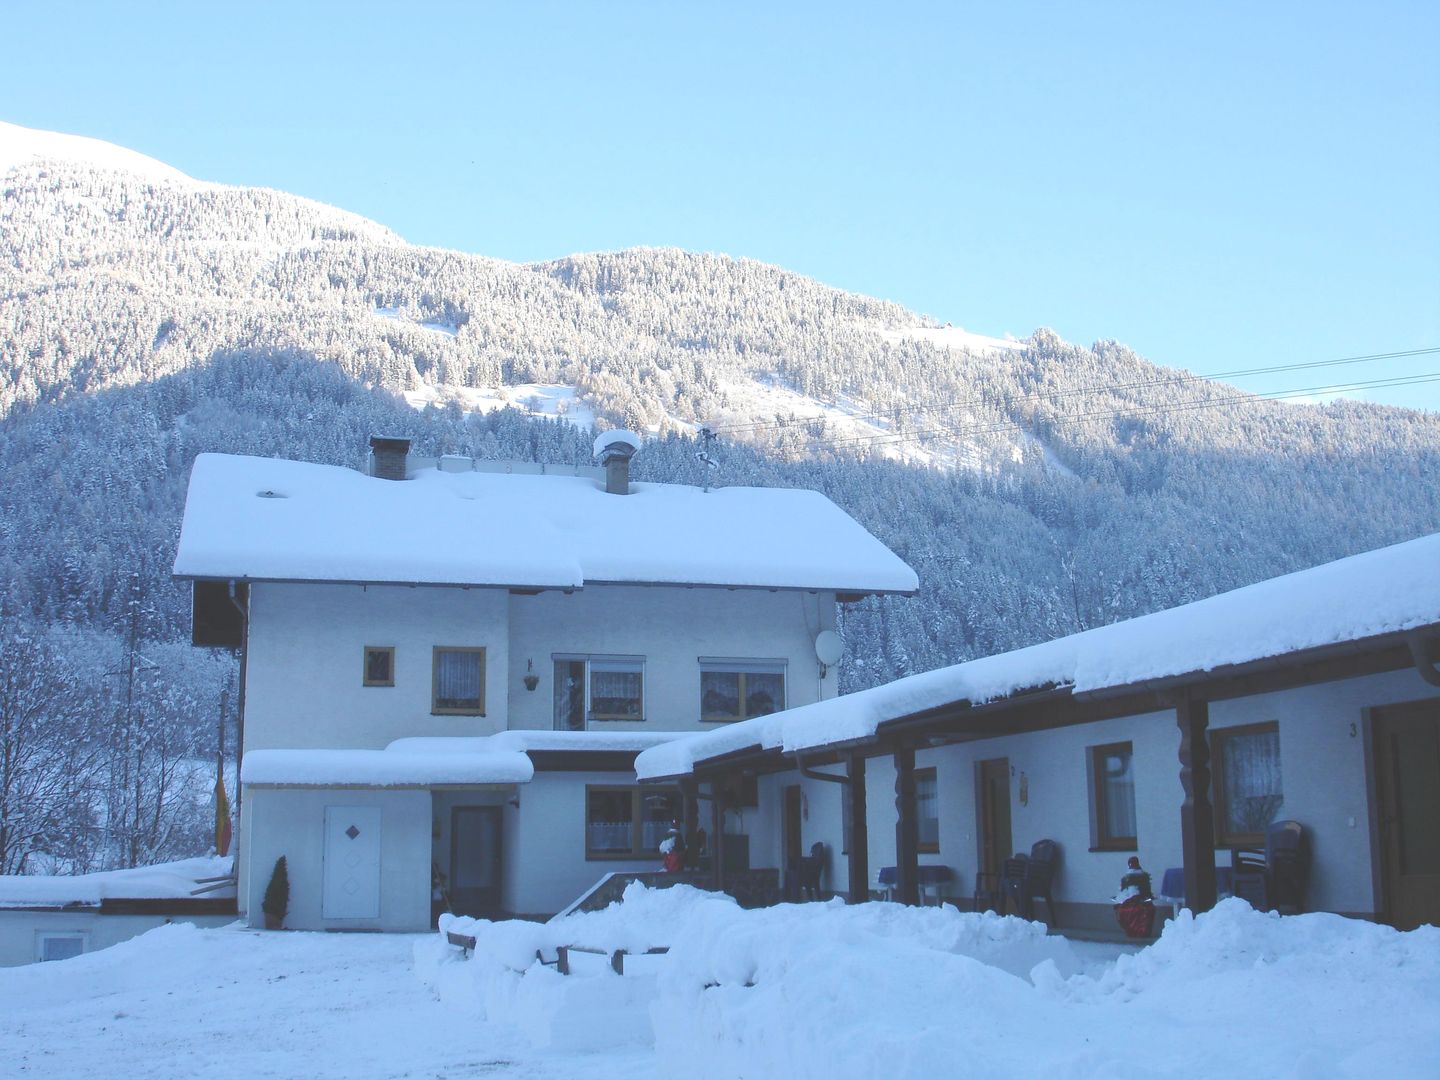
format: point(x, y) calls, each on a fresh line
point(277, 893)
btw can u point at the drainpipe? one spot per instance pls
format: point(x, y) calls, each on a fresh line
point(1420, 655)
point(240, 707)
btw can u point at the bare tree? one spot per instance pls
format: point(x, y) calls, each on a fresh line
point(47, 764)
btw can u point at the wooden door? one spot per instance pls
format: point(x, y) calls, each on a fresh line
point(992, 789)
point(475, 860)
point(351, 886)
point(1407, 760)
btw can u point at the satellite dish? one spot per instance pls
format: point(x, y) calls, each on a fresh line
point(829, 647)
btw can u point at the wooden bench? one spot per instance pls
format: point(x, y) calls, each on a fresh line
point(465, 942)
point(564, 963)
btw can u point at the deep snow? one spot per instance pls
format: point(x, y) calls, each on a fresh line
point(812, 990)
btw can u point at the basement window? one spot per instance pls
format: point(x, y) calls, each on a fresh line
point(58, 946)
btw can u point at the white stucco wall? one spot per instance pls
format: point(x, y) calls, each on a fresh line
point(20, 930)
point(671, 628)
point(304, 672)
point(291, 822)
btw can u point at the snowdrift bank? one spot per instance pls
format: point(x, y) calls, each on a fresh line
point(825, 990)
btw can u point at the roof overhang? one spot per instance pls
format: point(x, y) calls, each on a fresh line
point(1052, 707)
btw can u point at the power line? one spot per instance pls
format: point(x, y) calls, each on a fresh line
point(760, 425)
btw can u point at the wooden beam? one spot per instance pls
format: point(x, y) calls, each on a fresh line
point(907, 827)
point(1197, 816)
point(717, 841)
point(859, 883)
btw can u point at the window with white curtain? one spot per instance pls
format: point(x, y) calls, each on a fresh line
point(1249, 791)
point(591, 689)
point(628, 822)
point(458, 681)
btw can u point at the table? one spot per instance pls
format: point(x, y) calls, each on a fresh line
point(931, 880)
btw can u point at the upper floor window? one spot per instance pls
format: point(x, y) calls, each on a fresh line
point(593, 688)
point(379, 666)
point(739, 689)
point(1112, 797)
point(1248, 788)
point(458, 681)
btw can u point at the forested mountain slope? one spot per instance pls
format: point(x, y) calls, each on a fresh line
point(146, 317)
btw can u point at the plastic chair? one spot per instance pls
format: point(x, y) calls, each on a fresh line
point(1026, 879)
point(1276, 878)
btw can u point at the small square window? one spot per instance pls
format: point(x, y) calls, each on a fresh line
point(1112, 797)
point(379, 665)
point(458, 681)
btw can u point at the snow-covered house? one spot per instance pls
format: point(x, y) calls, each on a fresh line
point(1313, 697)
point(54, 917)
point(449, 666)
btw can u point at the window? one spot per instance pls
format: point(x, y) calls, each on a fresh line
point(589, 688)
point(458, 681)
point(379, 666)
point(739, 689)
point(927, 810)
point(58, 946)
point(1248, 790)
point(1112, 798)
point(628, 822)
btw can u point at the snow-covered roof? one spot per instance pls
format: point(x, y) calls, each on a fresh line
point(1393, 589)
point(165, 881)
point(265, 519)
point(540, 740)
point(383, 768)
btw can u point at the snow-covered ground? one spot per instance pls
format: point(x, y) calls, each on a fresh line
point(817, 990)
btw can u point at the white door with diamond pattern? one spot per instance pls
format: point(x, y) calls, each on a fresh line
point(352, 862)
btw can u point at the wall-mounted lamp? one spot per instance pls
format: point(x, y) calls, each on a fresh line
point(531, 679)
point(513, 801)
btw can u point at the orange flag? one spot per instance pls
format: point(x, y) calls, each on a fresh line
point(222, 818)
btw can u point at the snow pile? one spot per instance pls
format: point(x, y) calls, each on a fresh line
point(827, 991)
point(163, 881)
point(717, 951)
point(506, 982)
point(1392, 589)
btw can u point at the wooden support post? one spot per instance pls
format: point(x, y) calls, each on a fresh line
point(907, 828)
point(854, 796)
point(690, 792)
point(717, 834)
point(1197, 816)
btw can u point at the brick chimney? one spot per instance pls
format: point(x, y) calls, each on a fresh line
point(613, 450)
point(387, 457)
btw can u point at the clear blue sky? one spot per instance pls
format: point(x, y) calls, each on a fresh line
point(1218, 185)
